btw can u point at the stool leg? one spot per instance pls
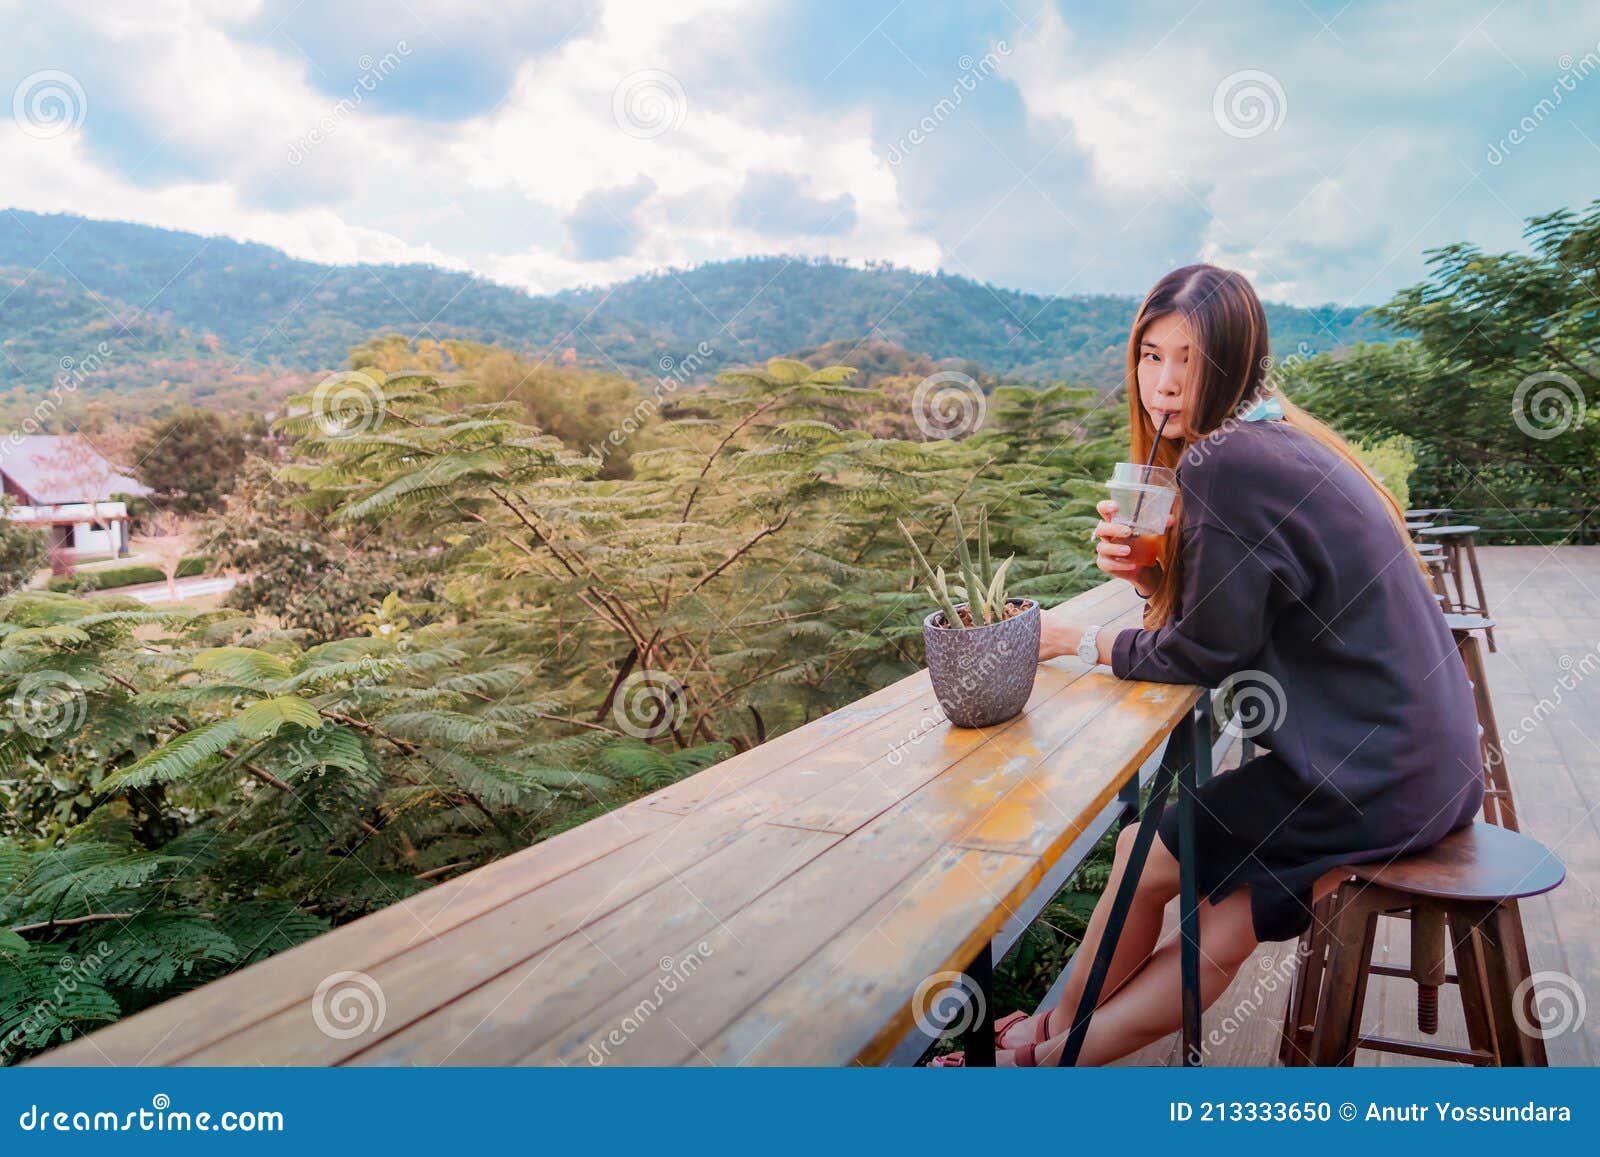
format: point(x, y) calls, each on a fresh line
point(1504, 970)
point(1469, 979)
point(1515, 942)
point(1436, 577)
point(1499, 806)
point(1477, 586)
point(1299, 1014)
point(1454, 553)
point(1338, 1026)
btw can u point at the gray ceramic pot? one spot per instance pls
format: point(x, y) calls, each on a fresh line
point(983, 675)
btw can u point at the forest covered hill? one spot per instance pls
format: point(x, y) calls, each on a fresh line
point(159, 317)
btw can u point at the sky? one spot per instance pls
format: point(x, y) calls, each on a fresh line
point(1318, 146)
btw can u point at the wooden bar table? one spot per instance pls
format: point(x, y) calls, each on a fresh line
point(799, 903)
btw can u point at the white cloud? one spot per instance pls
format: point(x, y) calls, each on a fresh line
point(191, 124)
point(1301, 156)
point(558, 137)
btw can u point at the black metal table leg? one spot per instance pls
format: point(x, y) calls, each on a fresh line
point(979, 1043)
point(1178, 764)
point(1188, 899)
point(1128, 797)
point(1204, 715)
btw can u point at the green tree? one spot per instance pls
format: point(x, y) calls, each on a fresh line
point(1496, 385)
point(188, 792)
point(293, 564)
point(192, 457)
point(23, 549)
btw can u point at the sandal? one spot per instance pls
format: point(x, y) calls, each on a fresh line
point(1024, 1054)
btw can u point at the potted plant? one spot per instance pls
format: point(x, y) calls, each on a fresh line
point(982, 646)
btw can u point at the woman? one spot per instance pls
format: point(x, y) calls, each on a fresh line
point(1290, 575)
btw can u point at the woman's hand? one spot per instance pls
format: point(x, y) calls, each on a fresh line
point(1112, 545)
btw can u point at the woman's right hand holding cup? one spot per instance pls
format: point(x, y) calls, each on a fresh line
point(1111, 550)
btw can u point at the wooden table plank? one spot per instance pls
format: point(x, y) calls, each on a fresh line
point(537, 965)
point(855, 997)
point(924, 751)
point(777, 755)
point(884, 860)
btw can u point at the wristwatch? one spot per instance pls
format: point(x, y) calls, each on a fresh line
point(1088, 651)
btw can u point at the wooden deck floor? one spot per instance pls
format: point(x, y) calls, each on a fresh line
point(1545, 680)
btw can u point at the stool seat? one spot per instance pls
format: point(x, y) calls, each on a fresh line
point(1480, 862)
point(1448, 531)
point(1468, 622)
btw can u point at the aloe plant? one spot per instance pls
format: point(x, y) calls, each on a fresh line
point(982, 584)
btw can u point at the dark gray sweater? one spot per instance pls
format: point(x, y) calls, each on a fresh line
point(1295, 576)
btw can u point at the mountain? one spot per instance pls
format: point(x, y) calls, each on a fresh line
point(748, 309)
point(153, 316)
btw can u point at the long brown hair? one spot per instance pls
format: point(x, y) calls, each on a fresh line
point(1232, 373)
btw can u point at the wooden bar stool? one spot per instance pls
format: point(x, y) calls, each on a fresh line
point(1460, 546)
point(1465, 890)
point(1498, 805)
point(1437, 569)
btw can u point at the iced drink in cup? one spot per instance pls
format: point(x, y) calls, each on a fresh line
point(1144, 496)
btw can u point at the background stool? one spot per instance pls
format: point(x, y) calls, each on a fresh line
point(1460, 547)
point(1499, 807)
point(1437, 570)
point(1464, 888)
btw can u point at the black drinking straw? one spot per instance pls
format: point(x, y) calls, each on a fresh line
point(1154, 446)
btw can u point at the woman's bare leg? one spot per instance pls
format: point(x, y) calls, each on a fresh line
point(1158, 883)
point(1149, 1005)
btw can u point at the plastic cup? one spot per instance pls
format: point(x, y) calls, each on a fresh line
point(1148, 475)
point(1143, 506)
